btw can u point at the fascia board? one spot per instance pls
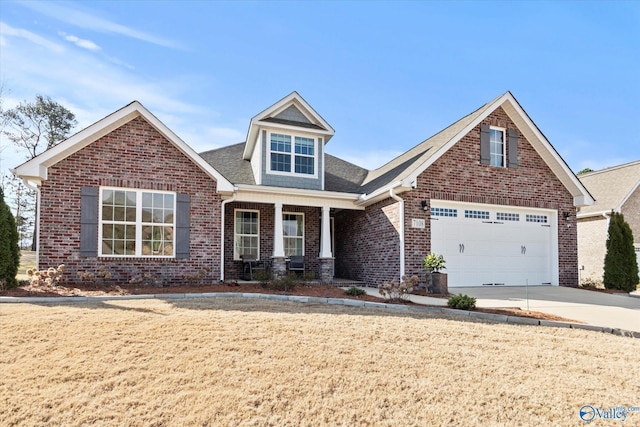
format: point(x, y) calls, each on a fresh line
point(296, 196)
point(549, 154)
point(593, 214)
point(413, 176)
point(383, 193)
point(37, 167)
point(535, 137)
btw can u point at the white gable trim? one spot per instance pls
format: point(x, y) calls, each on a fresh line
point(36, 169)
point(292, 99)
point(581, 196)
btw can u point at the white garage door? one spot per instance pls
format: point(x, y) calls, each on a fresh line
point(493, 245)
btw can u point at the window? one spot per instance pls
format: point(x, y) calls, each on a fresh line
point(136, 223)
point(246, 234)
point(536, 218)
point(497, 146)
point(476, 214)
point(444, 212)
point(506, 216)
point(293, 230)
point(303, 154)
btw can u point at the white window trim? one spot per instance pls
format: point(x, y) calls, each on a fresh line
point(316, 151)
point(504, 146)
point(303, 228)
point(138, 223)
point(236, 255)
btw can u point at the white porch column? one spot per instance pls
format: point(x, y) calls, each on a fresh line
point(278, 235)
point(325, 233)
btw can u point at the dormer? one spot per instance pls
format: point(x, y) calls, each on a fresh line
point(285, 145)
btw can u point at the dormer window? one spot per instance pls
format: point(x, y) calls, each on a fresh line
point(287, 150)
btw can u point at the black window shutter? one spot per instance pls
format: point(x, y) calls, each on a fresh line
point(89, 221)
point(513, 148)
point(183, 222)
point(485, 148)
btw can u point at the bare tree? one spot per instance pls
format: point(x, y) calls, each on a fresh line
point(36, 126)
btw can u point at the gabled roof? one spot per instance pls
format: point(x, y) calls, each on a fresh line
point(611, 187)
point(404, 169)
point(291, 112)
point(36, 169)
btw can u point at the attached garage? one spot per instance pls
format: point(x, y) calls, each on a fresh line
point(488, 245)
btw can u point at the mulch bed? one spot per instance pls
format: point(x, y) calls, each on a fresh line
point(311, 290)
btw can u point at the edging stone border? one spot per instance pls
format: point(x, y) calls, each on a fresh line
point(498, 318)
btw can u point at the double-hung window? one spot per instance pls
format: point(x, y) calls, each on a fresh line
point(497, 146)
point(293, 229)
point(288, 150)
point(136, 223)
point(246, 233)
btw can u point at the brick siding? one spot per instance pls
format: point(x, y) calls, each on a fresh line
point(458, 175)
point(133, 156)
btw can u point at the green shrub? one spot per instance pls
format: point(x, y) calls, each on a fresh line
point(462, 302)
point(9, 249)
point(264, 277)
point(434, 263)
point(286, 283)
point(308, 276)
point(355, 292)
point(620, 263)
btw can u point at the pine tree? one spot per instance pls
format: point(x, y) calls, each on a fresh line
point(620, 263)
point(9, 250)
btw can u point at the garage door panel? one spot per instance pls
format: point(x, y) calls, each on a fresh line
point(480, 251)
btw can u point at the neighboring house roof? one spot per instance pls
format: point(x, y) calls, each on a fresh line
point(611, 187)
point(36, 169)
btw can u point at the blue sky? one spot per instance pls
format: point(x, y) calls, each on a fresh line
point(385, 75)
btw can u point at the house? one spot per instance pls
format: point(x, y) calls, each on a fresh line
point(489, 192)
point(615, 189)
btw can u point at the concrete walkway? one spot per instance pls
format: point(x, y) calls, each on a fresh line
point(593, 308)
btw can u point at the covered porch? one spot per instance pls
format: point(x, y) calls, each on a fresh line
point(271, 232)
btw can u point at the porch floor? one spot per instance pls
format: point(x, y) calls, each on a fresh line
point(338, 282)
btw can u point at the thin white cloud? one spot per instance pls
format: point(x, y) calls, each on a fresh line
point(69, 14)
point(85, 44)
point(7, 30)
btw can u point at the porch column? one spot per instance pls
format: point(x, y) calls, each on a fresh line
point(278, 235)
point(326, 257)
point(325, 234)
point(278, 264)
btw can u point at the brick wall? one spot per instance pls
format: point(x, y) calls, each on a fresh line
point(367, 243)
point(267, 214)
point(133, 156)
point(458, 175)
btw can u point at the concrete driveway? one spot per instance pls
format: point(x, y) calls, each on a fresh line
point(594, 308)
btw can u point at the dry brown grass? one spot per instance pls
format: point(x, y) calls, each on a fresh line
point(256, 362)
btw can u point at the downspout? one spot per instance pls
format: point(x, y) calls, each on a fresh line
point(401, 201)
point(224, 202)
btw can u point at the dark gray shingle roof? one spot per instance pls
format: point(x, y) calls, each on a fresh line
point(228, 161)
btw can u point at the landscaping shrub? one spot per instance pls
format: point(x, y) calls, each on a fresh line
point(395, 291)
point(100, 276)
point(9, 249)
point(286, 283)
point(48, 277)
point(620, 263)
point(462, 302)
point(264, 277)
point(355, 292)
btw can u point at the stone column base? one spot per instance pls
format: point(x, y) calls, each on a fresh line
point(326, 269)
point(278, 267)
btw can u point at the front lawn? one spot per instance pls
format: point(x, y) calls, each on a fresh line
point(257, 362)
